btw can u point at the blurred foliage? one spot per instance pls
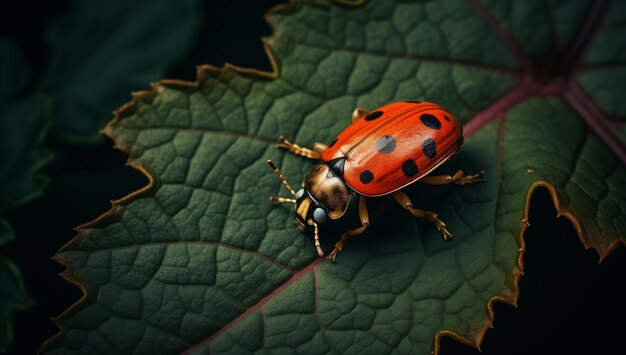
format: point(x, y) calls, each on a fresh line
point(99, 53)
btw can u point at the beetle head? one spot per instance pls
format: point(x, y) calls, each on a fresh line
point(324, 195)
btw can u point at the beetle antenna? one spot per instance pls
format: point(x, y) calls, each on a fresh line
point(282, 199)
point(320, 252)
point(280, 176)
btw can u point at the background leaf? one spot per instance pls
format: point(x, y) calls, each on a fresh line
point(204, 180)
point(102, 51)
point(22, 127)
point(99, 54)
point(12, 293)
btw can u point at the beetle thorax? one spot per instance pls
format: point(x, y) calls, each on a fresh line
point(325, 195)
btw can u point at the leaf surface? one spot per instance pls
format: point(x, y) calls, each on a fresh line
point(102, 51)
point(199, 261)
point(22, 127)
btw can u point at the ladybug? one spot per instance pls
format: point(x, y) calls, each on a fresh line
point(381, 152)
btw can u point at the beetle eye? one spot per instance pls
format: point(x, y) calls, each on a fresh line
point(319, 215)
point(299, 194)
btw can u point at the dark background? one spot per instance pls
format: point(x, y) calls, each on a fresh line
point(568, 301)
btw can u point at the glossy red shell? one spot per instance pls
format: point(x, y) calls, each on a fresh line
point(394, 146)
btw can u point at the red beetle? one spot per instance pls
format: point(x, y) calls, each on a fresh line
point(381, 152)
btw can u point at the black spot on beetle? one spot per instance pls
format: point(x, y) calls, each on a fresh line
point(430, 121)
point(447, 118)
point(385, 144)
point(409, 168)
point(413, 101)
point(366, 177)
point(373, 115)
point(429, 148)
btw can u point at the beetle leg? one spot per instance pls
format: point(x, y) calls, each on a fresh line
point(405, 202)
point(316, 153)
point(298, 150)
point(358, 113)
point(319, 147)
point(365, 222)
point(457, 178)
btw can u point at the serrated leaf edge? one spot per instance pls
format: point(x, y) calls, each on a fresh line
point(476, 339)
point(203, 72)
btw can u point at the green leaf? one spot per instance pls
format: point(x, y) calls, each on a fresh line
point(199, 261)
point(102, 51)
point(22, 127)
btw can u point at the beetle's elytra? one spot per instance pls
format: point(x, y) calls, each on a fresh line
point(381, 152)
